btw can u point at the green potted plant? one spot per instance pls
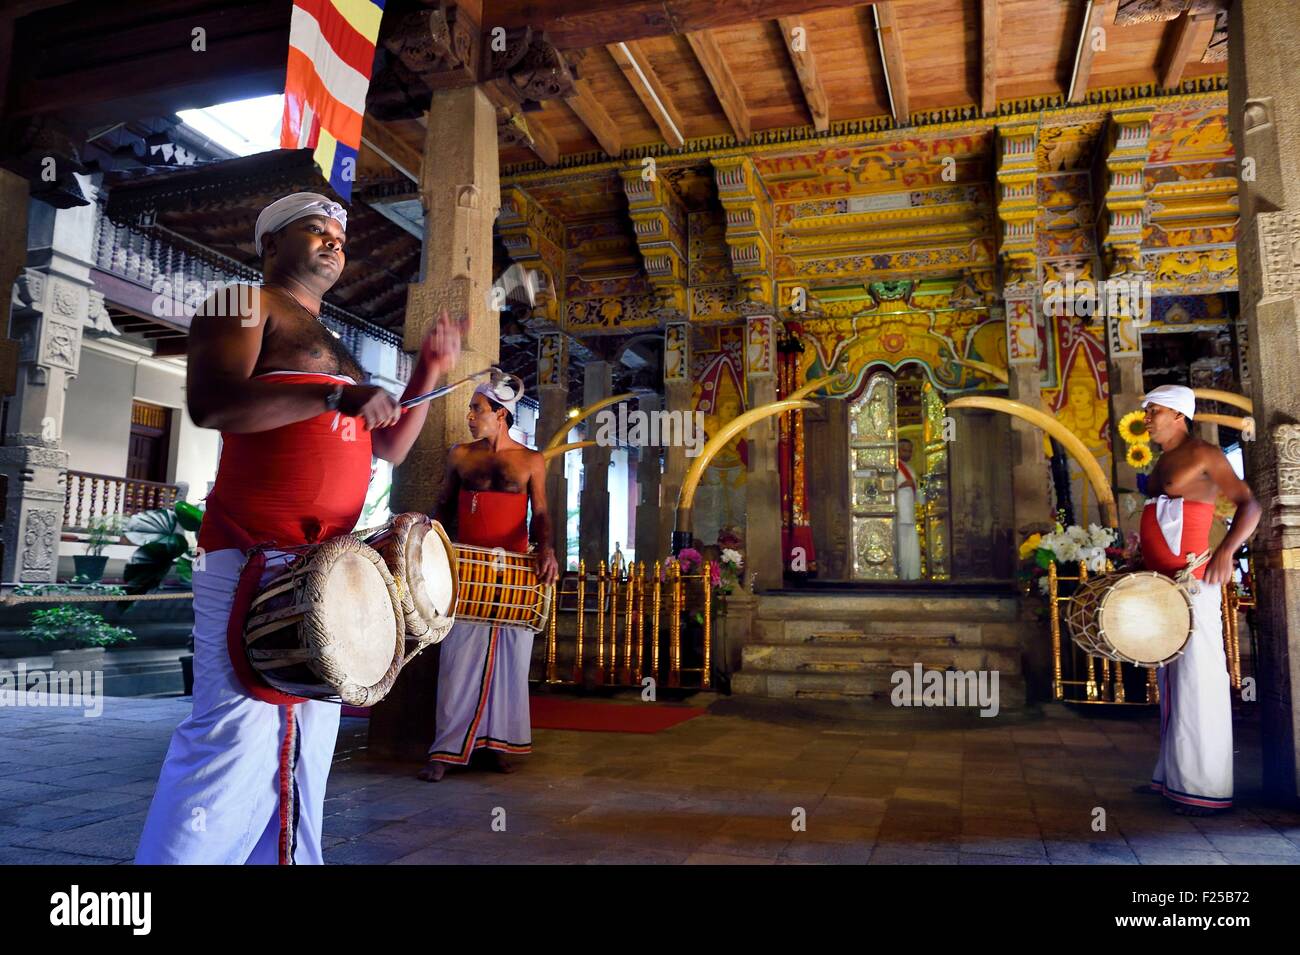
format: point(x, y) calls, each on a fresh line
point(101, 530)
point(83, 633)
point(161, 536)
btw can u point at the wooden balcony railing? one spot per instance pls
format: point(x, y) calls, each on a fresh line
point(97, 495)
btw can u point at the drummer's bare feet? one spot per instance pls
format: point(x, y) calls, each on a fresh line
point(498, 762)
point(433, 771)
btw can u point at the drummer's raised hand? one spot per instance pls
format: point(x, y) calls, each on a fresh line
point(441, 347)
point(548, 570)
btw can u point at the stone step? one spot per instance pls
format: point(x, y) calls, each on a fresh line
point(881, 607)
point(875, 632)
point(875, 689)
point(875, 659)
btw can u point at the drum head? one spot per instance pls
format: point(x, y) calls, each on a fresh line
point(356, 611)
point(1146, 618)
point(437, 596)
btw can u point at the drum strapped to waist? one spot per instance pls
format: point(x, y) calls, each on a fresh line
point(1143, 618)
point(329, 625)
point(497, 586)
point(422, 561)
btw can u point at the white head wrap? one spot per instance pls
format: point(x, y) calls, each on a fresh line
point(291, 208)
point(1175, 397)
point(502, 393)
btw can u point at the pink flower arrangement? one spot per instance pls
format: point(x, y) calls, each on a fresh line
point(690, 559)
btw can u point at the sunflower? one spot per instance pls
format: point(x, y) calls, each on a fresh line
point(1139, 455)
point(1133, 427)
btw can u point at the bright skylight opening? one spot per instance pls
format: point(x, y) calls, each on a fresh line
point(244, 126)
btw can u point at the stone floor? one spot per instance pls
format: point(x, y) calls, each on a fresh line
point(916, 786)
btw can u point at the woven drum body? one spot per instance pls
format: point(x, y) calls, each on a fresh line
point(497, 586)
point(1142, 618)
point(329, 626)
point(422, 560)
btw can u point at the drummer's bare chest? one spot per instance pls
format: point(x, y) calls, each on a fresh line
point(493, 472)
point(1181, 473)
point(304, 344)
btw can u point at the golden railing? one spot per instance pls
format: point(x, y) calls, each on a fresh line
point(1107, 686)
point(627, 649)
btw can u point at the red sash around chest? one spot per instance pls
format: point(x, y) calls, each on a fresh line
point(1156, 555)
point(493, 519)
point(288, 487)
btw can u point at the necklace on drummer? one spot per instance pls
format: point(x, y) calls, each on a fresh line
point(294, 296)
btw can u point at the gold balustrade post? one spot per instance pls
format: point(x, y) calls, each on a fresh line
point(551, 635)
point(1053, 587)
point(613, 624)
point(582, 614)
point(629, 610)
point(1094, 691)
point(675, 625)
point(654, 623)
point(708, 622)
point(1153, 686)
point(600, 622)
point(640, 624)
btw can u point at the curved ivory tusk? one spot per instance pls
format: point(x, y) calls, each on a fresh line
point(1073, 446)
point(557, 439)
point(561, 449)
point(1227, 397)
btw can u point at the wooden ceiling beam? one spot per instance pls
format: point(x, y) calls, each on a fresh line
point(797, 45)
point(541, 141)
point(989, 16)
point(705, 46)
point(593, 115)
point(614, 21)
point(391, 148)
point(1185, 38)
point(891, 54)
point(1099, 14)
point(650, 90)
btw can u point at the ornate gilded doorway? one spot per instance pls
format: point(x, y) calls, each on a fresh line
point(873, 433)
point(893, 409)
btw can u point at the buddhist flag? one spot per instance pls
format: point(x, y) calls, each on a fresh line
point(331, 51)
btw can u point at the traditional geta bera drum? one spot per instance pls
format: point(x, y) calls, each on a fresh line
point(498, 586)
point(329, 626)
point(1143, 618)
point(422, 560)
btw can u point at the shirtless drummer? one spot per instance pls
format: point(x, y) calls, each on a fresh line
point(1194, 769)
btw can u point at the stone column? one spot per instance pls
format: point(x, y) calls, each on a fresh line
point(52, 302)
point(460, 189)
point(1030, 474)
point(677, 402)
point(553, 395)
point(1124, 364)
point(593, 503)
point(1264, 110)
point(649, 514)
point(764, 561)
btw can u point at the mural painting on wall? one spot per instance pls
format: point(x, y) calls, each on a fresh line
point(1082, 403)
point(717, 369)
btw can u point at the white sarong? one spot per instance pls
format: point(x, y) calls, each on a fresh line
point(483, 692)
point(907, 551)
point(218, 796)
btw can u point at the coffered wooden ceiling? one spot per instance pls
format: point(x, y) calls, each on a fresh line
point(661, 73)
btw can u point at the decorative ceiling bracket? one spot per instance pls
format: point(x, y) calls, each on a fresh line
point(748, 212)
point(659, 223)
point(1123, 204)
point(1018, 203)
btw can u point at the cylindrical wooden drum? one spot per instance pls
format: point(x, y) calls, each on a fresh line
point(1143, 618)
point(329, 626)
point(422, 561)
point(497, 586)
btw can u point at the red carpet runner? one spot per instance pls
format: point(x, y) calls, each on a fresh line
point(557, 713)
